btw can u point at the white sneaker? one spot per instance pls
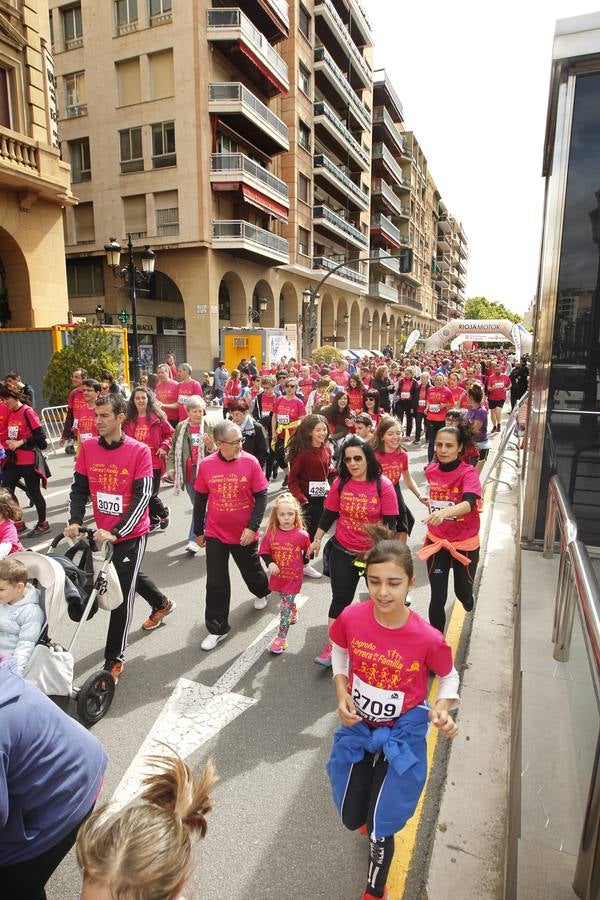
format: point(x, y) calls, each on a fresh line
point(260, 602)
point(311, 572)
point(192, 547)
point(211, 641)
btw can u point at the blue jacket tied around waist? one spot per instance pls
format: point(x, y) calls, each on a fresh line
point(404, 746)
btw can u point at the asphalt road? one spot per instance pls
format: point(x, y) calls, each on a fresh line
point(274, 831)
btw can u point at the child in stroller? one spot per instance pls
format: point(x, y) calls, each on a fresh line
point(21, 615)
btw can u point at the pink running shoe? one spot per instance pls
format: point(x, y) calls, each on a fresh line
point(294, 618)
point(277, 645)
point(324, 657)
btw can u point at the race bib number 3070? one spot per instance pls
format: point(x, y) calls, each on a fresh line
point(110, 504)
point(375, 704)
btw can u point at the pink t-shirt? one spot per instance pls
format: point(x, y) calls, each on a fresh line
point(168, 392)
point(86, 424)
point(230, 487)
point(4, 411)
point(497, 386)
point(19, 427)
point(110, 475)
point(447, 489)
point(391, 659)
point(287, 548)
point(359, 504)
point(393, 464)
point(187, 389)
point(340, 378)
point(8, 535)
point(439, 399)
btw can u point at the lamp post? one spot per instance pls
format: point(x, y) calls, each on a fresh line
point(254, 315)
point(132, 276)
point(309, 320)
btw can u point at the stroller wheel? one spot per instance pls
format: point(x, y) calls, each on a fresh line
point(94, 697)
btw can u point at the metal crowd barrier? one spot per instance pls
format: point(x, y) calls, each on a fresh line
point(510, 431)
point(53, 420)
point(577, 588)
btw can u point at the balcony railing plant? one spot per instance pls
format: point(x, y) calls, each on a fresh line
point(322, 161)
point(323, 212)
point(323, 109)
point(239, 164)
point(322, 55)
point(220, 18)
point(322, 262)
point(233, 91)
point(238, 229)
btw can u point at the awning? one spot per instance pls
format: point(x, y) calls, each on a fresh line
point(265, 204)
point(247, 51)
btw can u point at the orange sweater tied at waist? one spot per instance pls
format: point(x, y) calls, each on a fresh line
point(433, 544)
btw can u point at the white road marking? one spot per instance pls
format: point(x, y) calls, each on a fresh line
point(194, 713)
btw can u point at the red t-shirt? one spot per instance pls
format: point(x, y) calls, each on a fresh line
point(358, 504)
point(195, 433)
point(287, 548)
point(4, 411)
point(497, 386)
point(422, 397)
point(76, 402)
point(187, 389)
point(111, 474)
point(267, 402)
point(287, 411)
point(393, 464)
point(447, 489)
point(168, 392)
point(19, 427)
point(86, 424)
point(340, 378)
point(439, 399)
point(230, 487)
point(355, 399)
point(306, 386)
point(459, 398)
point(397, 660)
point(8, 535)
point(404, 390)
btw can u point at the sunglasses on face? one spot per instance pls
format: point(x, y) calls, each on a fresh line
point(358, 458)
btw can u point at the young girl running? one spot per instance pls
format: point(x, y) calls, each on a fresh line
point(387, 443)
point(144, 850)
point(381, 658)
point(284, 549)
point(10, 513)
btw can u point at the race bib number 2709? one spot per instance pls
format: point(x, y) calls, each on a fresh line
point(375, 704)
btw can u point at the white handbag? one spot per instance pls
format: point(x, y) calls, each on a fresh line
point(50, 668)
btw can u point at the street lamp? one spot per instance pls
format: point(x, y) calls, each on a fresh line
point(309, 320)
point(133, 277)
point(255, 314)
point(406, 320)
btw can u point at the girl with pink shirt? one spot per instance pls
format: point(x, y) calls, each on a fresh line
point(387, 443)
point(284, 550)
point(452, 540)
point(9, 514)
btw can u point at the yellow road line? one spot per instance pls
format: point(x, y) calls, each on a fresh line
point(405, 840)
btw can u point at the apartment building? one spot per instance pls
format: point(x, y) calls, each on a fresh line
point(451, 266)
point(34, 182)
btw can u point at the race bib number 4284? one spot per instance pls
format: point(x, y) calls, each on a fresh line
point(110, 504)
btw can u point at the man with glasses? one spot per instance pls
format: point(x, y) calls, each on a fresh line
point(231, 498)
point(288, 411)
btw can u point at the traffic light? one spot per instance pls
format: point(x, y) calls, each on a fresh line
point(406, 260)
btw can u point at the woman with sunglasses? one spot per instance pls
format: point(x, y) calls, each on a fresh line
point(372, 406)
point(360, 496)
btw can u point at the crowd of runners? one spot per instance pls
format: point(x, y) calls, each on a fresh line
point(336, 442)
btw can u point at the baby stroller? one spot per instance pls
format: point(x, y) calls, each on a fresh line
point(77, 582)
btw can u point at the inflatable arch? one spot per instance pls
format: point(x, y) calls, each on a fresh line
point(482, 329)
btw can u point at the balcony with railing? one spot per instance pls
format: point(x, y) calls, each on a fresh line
point(386, 195)
point(384, 259)
point(322, 262)
point(410, 302)
point(326, 10)
point(236, 168)
point(324, 62)
point(249, 116)
point(382, 291)
point(325, 218)
point(33, 168)
point(382, 156)
point(254, 55)
point(271, 17)
point(385, 228)
point(345, 140)
point(338, 182)
point(444, 224)
point(248, 240)
point(444, 262)
point(387, 127)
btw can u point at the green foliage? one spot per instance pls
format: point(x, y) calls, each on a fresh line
point(482, 308)
point(5, 313)
point(326, 354)
point(91, 348)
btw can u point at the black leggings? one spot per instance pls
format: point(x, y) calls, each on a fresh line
point(344, 577)
point(358, 808)
point(438, 570)
point(311, 513)
point(404, 409)
point(32, 480)
point(431, 429)
point(418, 425)
point(156, 507)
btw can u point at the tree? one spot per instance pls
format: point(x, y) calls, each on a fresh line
point(482, 308)
point(326, 354)
point(94, 349)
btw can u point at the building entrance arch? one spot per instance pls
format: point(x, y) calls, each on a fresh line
point(233, 305)
point(14, 283)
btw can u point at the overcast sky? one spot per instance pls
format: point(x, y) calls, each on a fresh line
point(473, 78)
